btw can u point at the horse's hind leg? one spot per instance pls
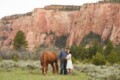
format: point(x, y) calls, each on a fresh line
point(46, 68)
point(56, 65)
point(43, 71)
point(53, 67)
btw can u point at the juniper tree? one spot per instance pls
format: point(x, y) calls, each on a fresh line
point(20, 41)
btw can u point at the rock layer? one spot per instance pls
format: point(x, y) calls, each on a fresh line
point(42, 26)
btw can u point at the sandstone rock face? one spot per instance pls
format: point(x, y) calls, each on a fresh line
point(42, 26)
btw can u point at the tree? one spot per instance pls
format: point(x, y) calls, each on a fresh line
point(79, 52)
point(113, 58)
point(82, 51)
point(116, 50)
point(74, 51)
point(20, 41)
point(96, 47)
point(109, 48)
point(98, 59)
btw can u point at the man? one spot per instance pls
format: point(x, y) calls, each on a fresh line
point(63, 62)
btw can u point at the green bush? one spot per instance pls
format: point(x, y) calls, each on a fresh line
point(15, 58)
point(87, 61)
point(75, 61)
point(26, 58)
point(31, 67)
point(117, 51)
point(99, 59)
point(109, 48)
point(113, 58)
point(74, 51)
point(79, 52)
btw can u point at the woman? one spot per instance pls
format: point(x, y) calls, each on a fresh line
point(69, 63)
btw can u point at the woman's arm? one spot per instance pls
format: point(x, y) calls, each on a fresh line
point(68, 57)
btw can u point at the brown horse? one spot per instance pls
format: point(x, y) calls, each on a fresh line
point(49, 58)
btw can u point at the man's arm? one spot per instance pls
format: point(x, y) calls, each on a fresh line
point(59, 56)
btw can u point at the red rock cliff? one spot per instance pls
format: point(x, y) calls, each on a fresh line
point(41, 26)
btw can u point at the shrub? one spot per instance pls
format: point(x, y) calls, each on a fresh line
point(98, 59)
point(15, 58)
point(79, 52)
point(87, 61)
point(113, 58)
point(117, 51)
point(109, 48)
point(21, 55)
point(31, 67)
point(75, 73)
point(75, 61)
point(74, 51)
point(26, 58)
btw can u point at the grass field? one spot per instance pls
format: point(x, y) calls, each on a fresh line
point(19, 74)
point(31, 70)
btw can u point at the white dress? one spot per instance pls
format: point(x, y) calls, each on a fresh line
point(69, 62)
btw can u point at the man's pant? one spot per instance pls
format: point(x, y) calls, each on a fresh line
point(63, 67)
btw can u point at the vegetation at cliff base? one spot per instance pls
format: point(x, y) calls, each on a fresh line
point(94, 50)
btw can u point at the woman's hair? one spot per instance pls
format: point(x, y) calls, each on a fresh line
point(70, 52)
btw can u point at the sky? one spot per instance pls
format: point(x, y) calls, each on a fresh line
point(10, 7)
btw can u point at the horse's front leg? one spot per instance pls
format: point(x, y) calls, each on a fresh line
point(53, 67)
point(44, 69)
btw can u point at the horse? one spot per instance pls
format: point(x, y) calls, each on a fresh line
point(46, 58)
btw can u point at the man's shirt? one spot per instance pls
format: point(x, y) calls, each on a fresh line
point(62, 55)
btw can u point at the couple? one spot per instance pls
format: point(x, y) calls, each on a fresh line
point(65, 61)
